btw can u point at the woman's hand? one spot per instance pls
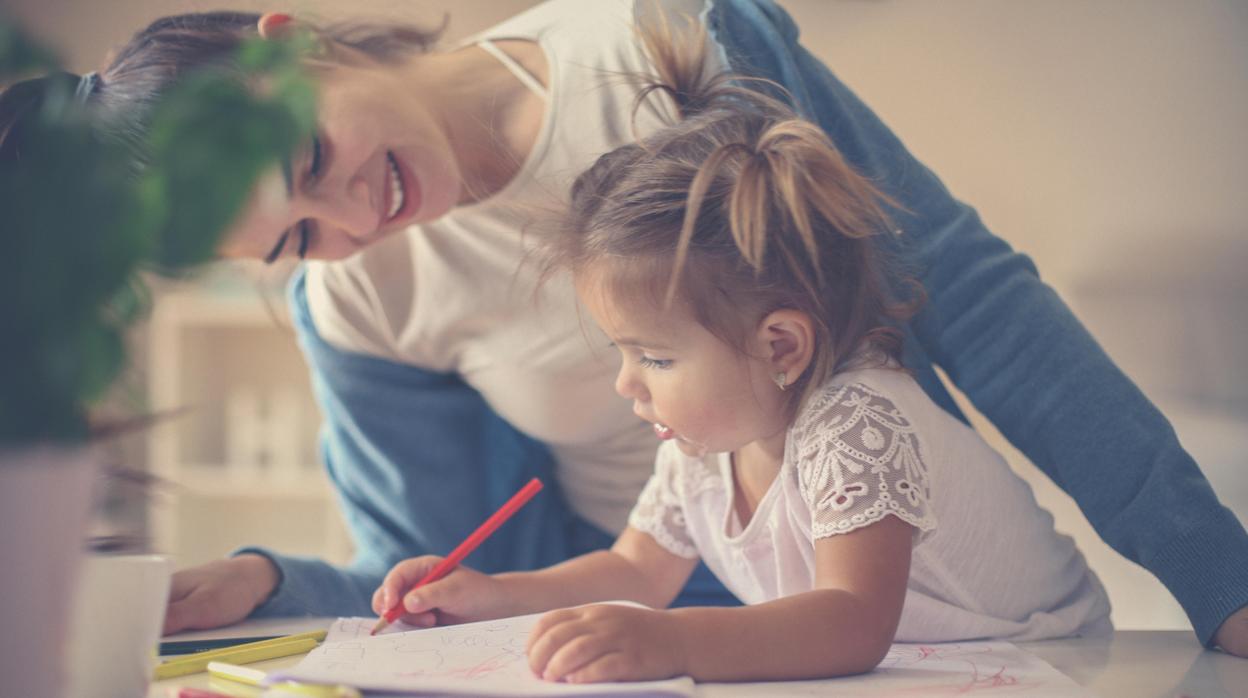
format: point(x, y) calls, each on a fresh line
point(462, 596)
point(606, 642)
point(1232, 636)
point(218, 593)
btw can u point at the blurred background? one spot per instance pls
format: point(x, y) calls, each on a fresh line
point(1104, 139)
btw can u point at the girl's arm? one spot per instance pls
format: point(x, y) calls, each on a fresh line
point(844, 626)
point(636, 568)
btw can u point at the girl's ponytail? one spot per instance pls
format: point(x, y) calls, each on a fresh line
point(737, 209)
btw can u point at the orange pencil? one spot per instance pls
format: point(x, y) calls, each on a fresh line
point(464, 549)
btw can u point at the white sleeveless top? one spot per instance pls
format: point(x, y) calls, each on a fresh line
point(454, 295)
point(986, 561)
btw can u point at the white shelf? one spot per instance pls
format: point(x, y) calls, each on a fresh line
point(241, 459)
point(221, 480)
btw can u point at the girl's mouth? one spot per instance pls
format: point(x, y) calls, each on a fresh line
point(663, 431)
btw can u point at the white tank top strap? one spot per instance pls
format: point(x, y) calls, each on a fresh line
point(516, 69)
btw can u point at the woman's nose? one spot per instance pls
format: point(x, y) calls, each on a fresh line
point(354, 209)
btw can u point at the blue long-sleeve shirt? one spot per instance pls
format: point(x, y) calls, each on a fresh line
point(1001, 335)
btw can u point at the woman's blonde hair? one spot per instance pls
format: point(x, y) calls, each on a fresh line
point(738, 209)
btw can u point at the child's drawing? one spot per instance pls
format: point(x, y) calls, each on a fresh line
point(479, 659)
point(488, 658)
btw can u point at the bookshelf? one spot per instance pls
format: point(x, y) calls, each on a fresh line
point(241, 457)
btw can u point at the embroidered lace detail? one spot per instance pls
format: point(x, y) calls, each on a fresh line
point(858, 459)
point(658, 511)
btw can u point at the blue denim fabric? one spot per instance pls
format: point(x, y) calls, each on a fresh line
point(1012, 346)
point(418, 458)
point(418, 461)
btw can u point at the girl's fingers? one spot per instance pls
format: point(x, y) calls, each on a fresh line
point(545, 623)
point(402, 576)
point(549, 641)
point(574, 654)
point(611, 666)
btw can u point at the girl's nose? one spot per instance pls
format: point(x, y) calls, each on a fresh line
point(628, 386)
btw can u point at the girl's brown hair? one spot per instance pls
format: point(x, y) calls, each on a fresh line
point(739, 209)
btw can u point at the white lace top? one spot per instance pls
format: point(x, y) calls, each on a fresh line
point(986, 562)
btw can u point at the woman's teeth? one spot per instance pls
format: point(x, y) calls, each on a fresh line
point(663, 431)
point(396, 187)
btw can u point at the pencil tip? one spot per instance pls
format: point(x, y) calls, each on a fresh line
point(381, 623)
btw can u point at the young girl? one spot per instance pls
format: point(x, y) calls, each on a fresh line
point(734, 260)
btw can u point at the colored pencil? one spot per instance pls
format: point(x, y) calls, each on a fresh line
point(470, 543)
point(175, 647)
point(240, 654)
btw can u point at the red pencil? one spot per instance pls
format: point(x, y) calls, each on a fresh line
point(470, 544)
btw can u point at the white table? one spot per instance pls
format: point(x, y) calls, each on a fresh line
point(1135, 663)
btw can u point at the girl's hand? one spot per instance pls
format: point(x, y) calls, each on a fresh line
point(462, 596)
point(606, 643)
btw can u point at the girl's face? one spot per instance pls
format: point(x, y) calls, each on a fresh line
point(691, 385)
point(379, 162)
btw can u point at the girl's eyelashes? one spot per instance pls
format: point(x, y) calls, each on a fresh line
point(660, 364)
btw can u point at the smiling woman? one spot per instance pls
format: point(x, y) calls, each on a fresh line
point(444, 387)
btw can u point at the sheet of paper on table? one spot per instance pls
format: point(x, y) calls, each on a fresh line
point(487, 659)
point(474, 659)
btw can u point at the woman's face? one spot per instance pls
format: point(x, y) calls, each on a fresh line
point(380, 161)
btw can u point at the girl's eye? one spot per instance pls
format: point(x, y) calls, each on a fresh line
point(661, 364)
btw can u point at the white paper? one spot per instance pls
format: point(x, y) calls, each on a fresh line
point(487, 659)
point(932, 671)
point(476, 659)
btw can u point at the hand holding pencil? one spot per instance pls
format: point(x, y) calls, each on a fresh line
point(466, 596)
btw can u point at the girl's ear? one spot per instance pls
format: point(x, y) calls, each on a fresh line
point(274, 24)
point(787, 340)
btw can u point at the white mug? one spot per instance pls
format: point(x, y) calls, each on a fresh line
point(118, 613)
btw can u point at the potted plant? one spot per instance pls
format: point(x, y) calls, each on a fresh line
point(83, 215)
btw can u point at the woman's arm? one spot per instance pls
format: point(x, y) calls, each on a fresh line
point(417, 460)
point(844, 626)
point(1015, 349)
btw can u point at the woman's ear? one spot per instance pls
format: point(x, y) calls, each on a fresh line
point(787, 340)
point(274, 24)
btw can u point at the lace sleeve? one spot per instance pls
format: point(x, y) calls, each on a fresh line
point(658, 511)
point(858, 460)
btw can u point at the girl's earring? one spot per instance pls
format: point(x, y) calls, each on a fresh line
point(780, 380)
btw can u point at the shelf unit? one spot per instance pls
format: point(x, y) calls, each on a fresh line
point(240, 455)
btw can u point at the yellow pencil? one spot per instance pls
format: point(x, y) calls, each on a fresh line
point(241, 654)
point(288, 689)
point(317, 635)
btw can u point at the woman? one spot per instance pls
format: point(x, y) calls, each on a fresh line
point(444, 385)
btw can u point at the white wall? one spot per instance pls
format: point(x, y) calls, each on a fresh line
point(1102, 138)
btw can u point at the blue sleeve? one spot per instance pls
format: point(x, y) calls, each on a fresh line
point(418, 461)
point(1012, 346)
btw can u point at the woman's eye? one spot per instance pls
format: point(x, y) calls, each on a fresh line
point(314, 168)
point(661, 364)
